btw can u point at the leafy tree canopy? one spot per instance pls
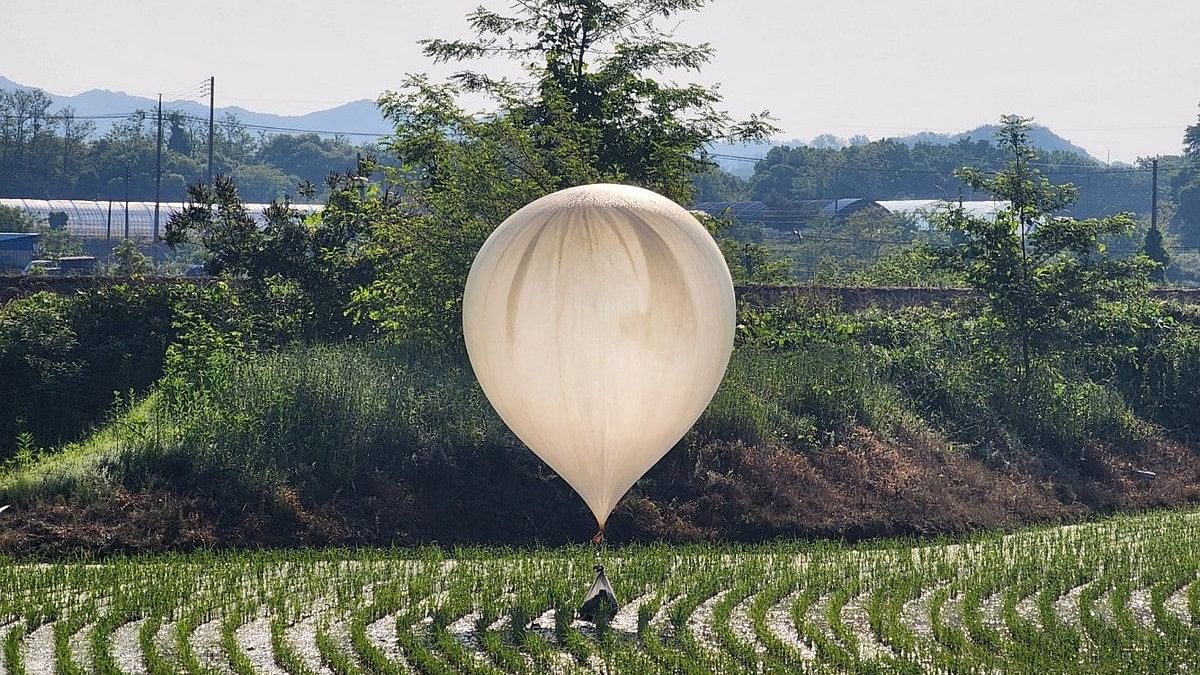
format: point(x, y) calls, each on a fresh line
point(593, 100)
point(1187, 188)
point(593, 108)
point(314, 261)
point(1042, 273)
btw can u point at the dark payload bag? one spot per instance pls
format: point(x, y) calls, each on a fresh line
point(599, 595)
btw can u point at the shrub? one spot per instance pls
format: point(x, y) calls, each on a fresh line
point(65, 359)
point(327, 416)
point(13, 219)
point(1067, 416)
point(1164, 382)
point(801, 399)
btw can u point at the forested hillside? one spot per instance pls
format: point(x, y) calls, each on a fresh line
point(895, 169)
point(49, 153)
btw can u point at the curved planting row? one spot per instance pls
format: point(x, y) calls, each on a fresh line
point(1121, 595)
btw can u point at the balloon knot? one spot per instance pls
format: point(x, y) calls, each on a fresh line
point(599, 538)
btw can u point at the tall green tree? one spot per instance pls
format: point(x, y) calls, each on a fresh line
point(1040, 272)
point(594, 98)
point(14, 219)
point(55, 242)
point(178, 140)
point(1188, 187)
point(593, 107)
point(1191, 140)
point(127, 260)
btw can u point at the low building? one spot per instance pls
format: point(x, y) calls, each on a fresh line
point(920, 210)
point(16, 250)
point(787, 217)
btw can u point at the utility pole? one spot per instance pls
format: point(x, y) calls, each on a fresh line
point(158, 169)
point(66, 150)
point(1154, 194)
point(836, 178)
point(212, 81)
point(127, 200)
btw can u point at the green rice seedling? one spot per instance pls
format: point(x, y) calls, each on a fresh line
point(778, 656)
point(416, 653)
point(540, 652)
point(1177, 580)
point(101, 640)
point(457, 656)
point(64, 630)
point(847, 646)
point(1096, 597)
point(742, 654)
point(13, 659)
point(154, 661)
point(284, 654)
point(333, 656)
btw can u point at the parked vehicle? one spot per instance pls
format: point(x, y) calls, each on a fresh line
point(42, 268)
point(78, 265)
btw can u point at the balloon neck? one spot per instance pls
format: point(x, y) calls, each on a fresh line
point(599, 538)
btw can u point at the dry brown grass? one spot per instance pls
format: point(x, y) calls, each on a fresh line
point(866, 487)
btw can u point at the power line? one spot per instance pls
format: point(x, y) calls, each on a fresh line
point(189, 92)
point(326, 132)
point(1095, 168)
point(802, 237)
point(1092, 169)
point(61, 116)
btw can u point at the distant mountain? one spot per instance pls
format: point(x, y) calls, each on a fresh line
point(1042, 137)
point(357, 116)
point(363, 116)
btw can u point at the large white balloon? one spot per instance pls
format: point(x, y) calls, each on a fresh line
point(599, 321)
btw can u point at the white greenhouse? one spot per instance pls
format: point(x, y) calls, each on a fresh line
point(921, 209)
point(107, 220)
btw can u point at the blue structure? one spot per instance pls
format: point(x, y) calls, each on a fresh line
point(16, 250)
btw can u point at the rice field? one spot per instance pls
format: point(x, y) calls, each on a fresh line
point(1114, 596)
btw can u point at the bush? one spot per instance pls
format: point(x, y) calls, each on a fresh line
point(950, 367)
point(330, 415)
point(917, 265)
point(13, 219)
point(129, 261)
point(1068, 417)
point(66, 359)
point(1164, 381)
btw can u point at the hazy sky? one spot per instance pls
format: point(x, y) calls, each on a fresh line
point(1115, 76)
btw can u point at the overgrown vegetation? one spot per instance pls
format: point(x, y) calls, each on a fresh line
point(321, 387)
point(69, 360)
point(401, 435)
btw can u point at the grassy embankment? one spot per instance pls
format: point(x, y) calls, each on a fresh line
point(828, 424)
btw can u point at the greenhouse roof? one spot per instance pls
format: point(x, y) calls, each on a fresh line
point(785, 216)
point(922, 209)
point(101, 219)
